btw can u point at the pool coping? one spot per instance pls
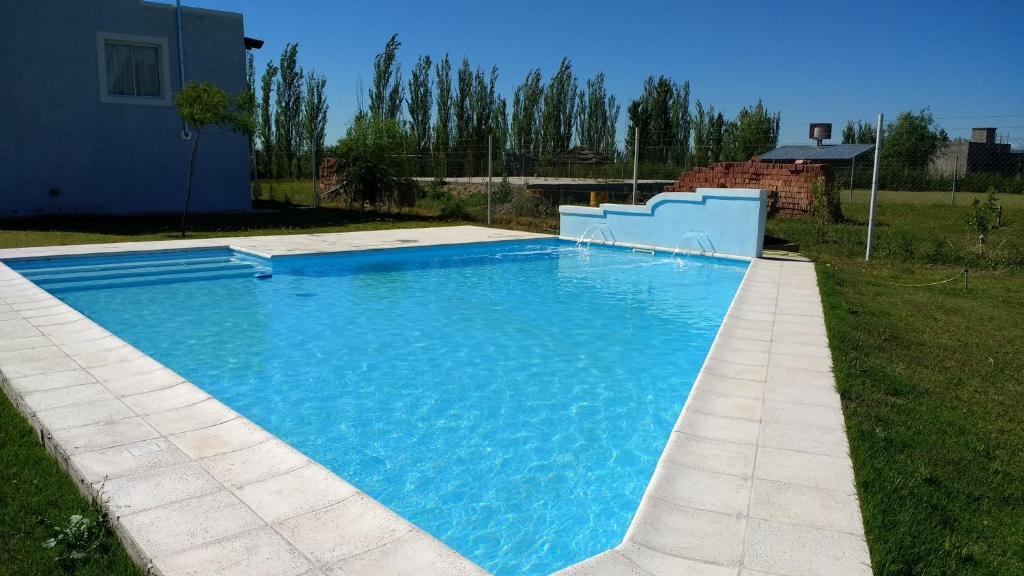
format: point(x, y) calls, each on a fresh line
point(193, 487)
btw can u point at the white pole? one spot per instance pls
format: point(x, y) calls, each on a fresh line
point(874, 184)
point(489, 164)
point(316, 201)
point(956, 169)
point(636, 158)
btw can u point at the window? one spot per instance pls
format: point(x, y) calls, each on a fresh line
point(133, 69)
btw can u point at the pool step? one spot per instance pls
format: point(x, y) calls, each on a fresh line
point(150, 280)
point(83, 274)
point(96, 272)
point(92, 264)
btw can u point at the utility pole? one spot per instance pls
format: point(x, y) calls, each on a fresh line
point(874, 184)
point(489, 164)
point(636, 158)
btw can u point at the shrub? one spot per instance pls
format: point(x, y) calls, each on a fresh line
point(983, 216)
point(827, 207)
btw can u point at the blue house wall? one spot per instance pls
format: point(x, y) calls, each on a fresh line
point(63, 150)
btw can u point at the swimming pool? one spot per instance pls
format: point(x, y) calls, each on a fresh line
point(510, 398)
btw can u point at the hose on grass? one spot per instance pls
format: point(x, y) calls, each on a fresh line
point(963, 274)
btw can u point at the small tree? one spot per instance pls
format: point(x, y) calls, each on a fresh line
point(202, 106)
point(983, 216)
point(374, 154)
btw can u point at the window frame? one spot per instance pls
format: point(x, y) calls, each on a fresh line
point(163, 59)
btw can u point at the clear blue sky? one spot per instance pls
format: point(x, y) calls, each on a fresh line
point(815, 61)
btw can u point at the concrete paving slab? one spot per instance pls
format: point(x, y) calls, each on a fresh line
point(659, 564)
point(294, 493)
point(84, 414)
point(202, 414)
point(801, 413)
point(103, 435)
point(413, 554)
point(364, 525)
point(157, 487)
point(711, 455)
point(803, 551)
point(610, 563)
point(719, 428)
point(803, 438)
point(66, 396)
point(178, 396)
point(189, 523)
point(219, 439)
point(805, 505)
point(139, 383)
point(701, 489)
point(258, 552)
point(40, 382)
point(816, 470)
point(260, 462)
point(689, 533)
point(126, 459)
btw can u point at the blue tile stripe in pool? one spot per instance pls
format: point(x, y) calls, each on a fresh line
point(511, 398)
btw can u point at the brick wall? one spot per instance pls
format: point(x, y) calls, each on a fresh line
point(789, 186)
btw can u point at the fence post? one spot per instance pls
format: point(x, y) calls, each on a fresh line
point(316, 199)
point(956, 168)
point(489, 164)
point(853, 163)
point(636, 158)
point(874, 185)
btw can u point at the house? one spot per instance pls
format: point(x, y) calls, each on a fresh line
point(87, 122)
point(982, 154)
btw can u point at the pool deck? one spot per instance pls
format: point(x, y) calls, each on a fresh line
point(756, 478)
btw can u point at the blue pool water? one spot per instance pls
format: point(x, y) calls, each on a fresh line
point(511, 399)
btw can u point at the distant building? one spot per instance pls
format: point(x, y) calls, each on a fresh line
point(87, 119)
point(983, 154)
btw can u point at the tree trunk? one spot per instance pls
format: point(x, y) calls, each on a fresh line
point(188, 190)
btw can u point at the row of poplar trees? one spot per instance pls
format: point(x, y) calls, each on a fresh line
point(451, 116)
point(291, 116)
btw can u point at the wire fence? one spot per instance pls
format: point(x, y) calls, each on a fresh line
point(952, 154)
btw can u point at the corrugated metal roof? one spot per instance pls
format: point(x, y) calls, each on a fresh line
point(834, 152)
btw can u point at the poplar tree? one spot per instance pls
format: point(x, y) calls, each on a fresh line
point(443, 125)
point(288, 108)
point(596, 116)
point(484, 107)
point(386, 93)
point(314, 123)
point(499, 129)
point(463, 110)
point(559, 110)
point(249, 102)
point(265, 122)
point(681, 123)
point(420, 104)
point(663, 116)
point(755, 131)
point(527, 106)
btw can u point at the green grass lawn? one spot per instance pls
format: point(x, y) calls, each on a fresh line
point(930, 377)
point(272, 217)
point(36, 497)
point(931, 380)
